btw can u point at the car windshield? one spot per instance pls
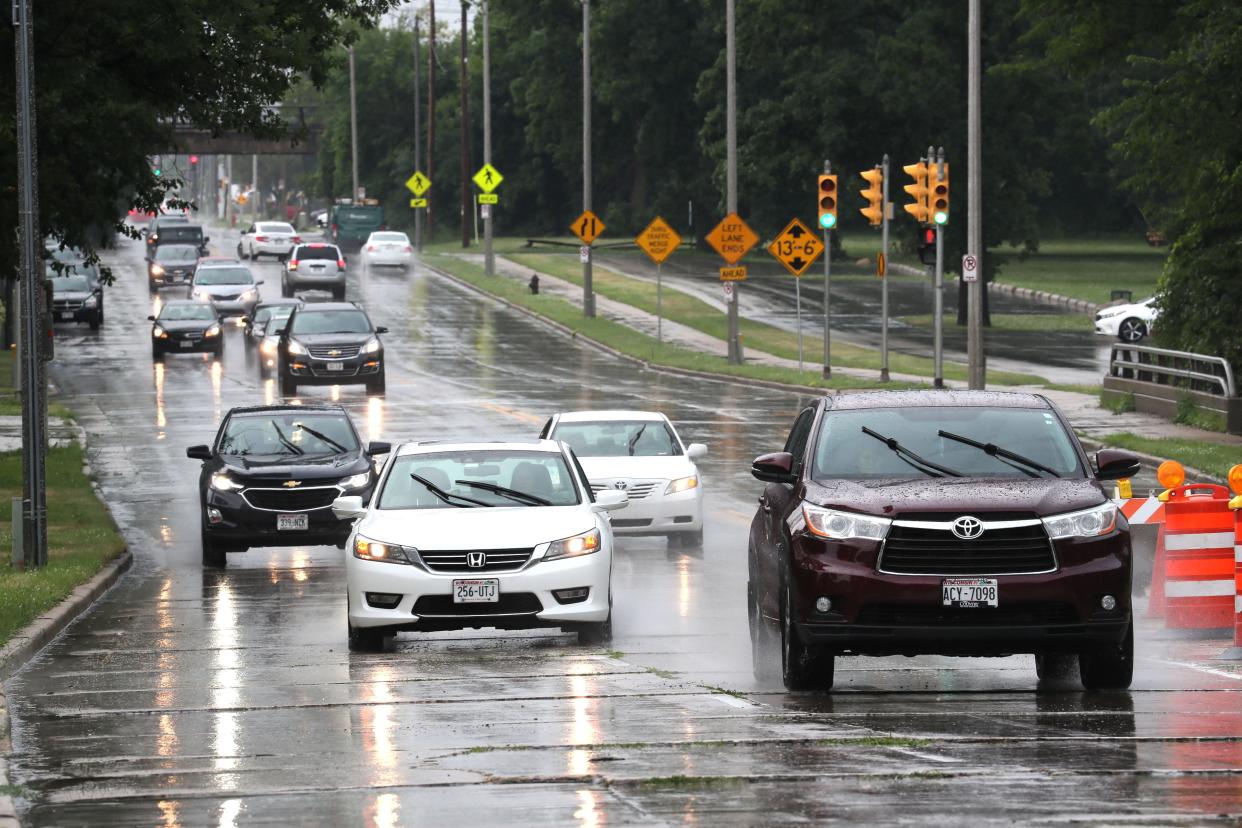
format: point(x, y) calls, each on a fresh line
point(68, 269)
point(274, 227)
point(389, 237)
point(176, 253)
point(180, 233)
point(619, 438)
point(288, 433)
point(500, 477)
point(276, 325)
point(329, 253)
point(327, 322)
point(845, 451)
point(182, 312)
point(223, 276)
point(70, 284)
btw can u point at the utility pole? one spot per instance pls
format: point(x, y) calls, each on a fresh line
point(975, 359)
point(735, 342)
point(827, 284)
point(431, 111)
point(418, 139)
point(489, 258)
point(467, 202)
point(938, 298)
point(33, 382)
point(588, 292)
point(884, 280)
point(256, 198)
point(353, 122)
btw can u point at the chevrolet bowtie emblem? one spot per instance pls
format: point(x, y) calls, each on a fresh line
point(334, 352)
point(289, 484)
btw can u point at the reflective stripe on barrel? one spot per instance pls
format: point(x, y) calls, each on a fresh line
point(1200, 560)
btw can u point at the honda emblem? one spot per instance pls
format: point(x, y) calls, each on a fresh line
point(476, 560)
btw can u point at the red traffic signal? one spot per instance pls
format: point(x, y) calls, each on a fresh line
point(927, 244)
point(193, 159)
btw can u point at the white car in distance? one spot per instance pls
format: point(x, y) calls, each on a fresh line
point(1130, 322)
point(268, 238)
point(462, 535)
point(641, 454)
point(388, 248)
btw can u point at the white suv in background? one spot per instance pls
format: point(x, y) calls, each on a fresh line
point(268, 238)
point(639, 453)
point(1129, 323)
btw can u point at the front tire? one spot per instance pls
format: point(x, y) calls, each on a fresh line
point(1054, 667)
point(288, 385)
point(1132, 330)
point(214, 554)
point(595, 633)
point(763, 644)
point(1110, 667)
point(241, 254)
point(802, 667)
point(368, 640)
point(377, 385)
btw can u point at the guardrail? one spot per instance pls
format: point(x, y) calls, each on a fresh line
point(1160, 381)
point(1182, 369)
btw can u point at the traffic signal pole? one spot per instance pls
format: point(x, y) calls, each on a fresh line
point(827, 283)
point(884, 280)
point(938, 299)
point(977, 366)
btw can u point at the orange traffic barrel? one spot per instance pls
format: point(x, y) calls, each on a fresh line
point(1235, 483)
point(1198, 541)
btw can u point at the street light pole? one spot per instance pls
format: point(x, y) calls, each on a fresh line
point(467, 205)
point(353, 122)
point(735, 342)
point(33, 382)
point(588, 292)
point(489, 258)
point(975, 359)
point(431, 112)
point(418, 138)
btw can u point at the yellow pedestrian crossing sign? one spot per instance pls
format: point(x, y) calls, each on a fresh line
point(418, 184)
point(488, 178)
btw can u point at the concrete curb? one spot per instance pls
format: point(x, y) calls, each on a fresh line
point(1080, 305)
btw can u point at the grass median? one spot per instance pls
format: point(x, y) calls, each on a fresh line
point(1087, 269)
point(1206, 455)
point(695, 313)
point(1034, 322)
point(632, 342)
point(81, 538)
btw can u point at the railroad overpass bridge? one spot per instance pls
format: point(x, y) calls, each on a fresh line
point(302, 139)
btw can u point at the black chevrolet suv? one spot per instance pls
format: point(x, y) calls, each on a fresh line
point(272, 474)
point(331, 343)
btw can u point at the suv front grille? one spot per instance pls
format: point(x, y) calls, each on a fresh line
point(497, 560)
point(292, 500)
point(1010, 550)
point(635, 490)
point(334, 351)
point(510, 603)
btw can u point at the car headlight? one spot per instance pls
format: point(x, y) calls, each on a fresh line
point(372, 550)
point(372, 346)
point(224, 483)
point(682, 484)
point(583, 544)
point(829, 523)
point(296, 347)
point(159, 333)
point(268, 347)
point(91, 301)
point(246, 296)
point(214, 330)
point(356, 482)
point(157, 270)
point(201, 294)
point(1089, 523)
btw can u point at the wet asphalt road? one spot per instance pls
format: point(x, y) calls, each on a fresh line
point(223, 698)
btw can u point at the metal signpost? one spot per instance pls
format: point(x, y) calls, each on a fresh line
point(489, 259)
point(588, 292)
point(732, 238)
point(658, 241)
point(796, 248)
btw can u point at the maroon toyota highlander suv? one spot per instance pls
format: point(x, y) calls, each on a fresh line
point(948, 522)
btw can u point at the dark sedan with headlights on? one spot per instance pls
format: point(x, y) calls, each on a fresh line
point(185, 326)
point(75, 299)
point(949, 522)
point(271, 475)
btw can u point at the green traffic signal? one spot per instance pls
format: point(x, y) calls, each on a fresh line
point(941, 217)
point(827, 221)
point(158, 172)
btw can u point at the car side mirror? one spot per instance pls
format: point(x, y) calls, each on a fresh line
point(150, 318)
point(258, 281)
point(198, 452)
point(348, 507)
point(696, 451)
point(1115, 464)
point(381, 330)
point(206, 239)
point(245, 320)
point(610, 500)
point(773, 468)
point(378, 447)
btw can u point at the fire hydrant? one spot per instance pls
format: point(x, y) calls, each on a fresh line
point(534, 284)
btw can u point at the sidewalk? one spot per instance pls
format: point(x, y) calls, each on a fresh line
point(1082, 410)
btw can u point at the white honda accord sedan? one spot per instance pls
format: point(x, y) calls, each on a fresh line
point(639, 453)
point(460, 535)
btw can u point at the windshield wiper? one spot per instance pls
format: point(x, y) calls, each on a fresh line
point(320, 436)
point(284, 441)
point(932, 469)
point(447, 496)
point(634, 440)
point(998, 452)
point(512, 494)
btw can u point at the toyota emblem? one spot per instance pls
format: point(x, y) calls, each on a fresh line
point(967, 527)
point(621, 484)
point(476, 560)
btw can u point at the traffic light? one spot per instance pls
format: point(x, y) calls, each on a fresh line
point(193, 160)
point(156, 167)
point(939, 189)
point(918, 190)
point(927, 244)
point(827, 202)
point(874, 196)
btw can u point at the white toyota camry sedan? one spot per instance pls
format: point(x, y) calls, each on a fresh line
point(639, 453)
point(460, 535)
point(388, 248)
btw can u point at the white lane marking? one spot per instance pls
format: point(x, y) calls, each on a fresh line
point(1199, 668)
point(930, 757)
point(1198, 540)
point(732, 701)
